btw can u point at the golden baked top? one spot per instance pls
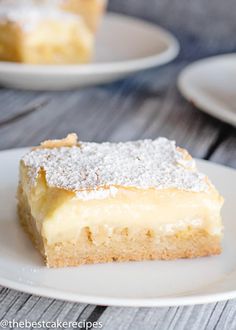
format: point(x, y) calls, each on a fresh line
point(89, 166)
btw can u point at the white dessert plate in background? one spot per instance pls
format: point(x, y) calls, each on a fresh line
point(150, 283)
point(211, 85)
point(124, 45)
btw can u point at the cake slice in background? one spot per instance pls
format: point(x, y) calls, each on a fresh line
point(42, 34)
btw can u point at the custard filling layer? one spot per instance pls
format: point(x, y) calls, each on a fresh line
point(61, 215)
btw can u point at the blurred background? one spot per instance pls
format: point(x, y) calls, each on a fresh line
point(203, 28)
point(145, 105)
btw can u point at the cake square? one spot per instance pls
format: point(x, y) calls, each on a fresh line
point(86, 202)
point(35, 34)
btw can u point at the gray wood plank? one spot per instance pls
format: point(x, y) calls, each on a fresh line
point(131, 109)
point(209, 316)
point(21, 306)
point(226, 152)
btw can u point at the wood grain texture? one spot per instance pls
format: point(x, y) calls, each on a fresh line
point(127, 110)
point(146, 105)
point(21, 306)
point(225, 153)
point(197, 317)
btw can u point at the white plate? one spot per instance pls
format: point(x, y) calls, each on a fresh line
point(151, 283)
point(211, 85)
point(124, 45)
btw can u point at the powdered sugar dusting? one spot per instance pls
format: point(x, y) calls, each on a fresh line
point(96, 167)
point(27, 14)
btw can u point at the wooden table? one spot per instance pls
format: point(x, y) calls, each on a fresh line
point(146, 105)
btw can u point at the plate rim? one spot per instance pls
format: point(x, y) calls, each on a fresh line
point(146, 62)
point(192, 96)
point(120, 302)
point(162, 301)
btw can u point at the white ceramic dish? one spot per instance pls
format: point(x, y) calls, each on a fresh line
point(124, 45)
point(151, 283)
point(211, 85)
